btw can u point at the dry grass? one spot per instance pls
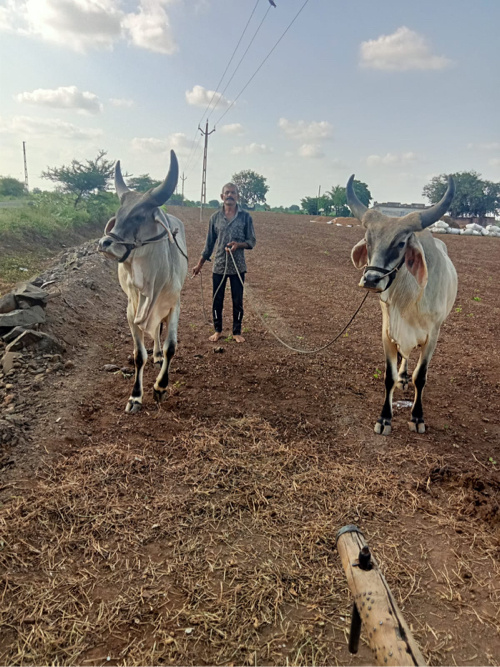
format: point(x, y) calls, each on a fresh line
point(218, 547)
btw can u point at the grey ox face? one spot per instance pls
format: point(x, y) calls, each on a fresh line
point(391, 242)
point(136, 219)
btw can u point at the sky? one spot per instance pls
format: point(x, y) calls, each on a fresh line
point(396, 92)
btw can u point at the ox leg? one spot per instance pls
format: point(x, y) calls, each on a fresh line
point(134, 403)
point(169, 347)
point(417, 423)
point(157, 351)
point(403, 377)
point(384, 423)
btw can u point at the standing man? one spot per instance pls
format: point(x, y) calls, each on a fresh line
point(230, 230)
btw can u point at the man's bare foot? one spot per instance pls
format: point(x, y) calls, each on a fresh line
point(239, 339)
point(215, 337)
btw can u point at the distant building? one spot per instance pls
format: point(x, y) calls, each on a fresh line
point(395, 209)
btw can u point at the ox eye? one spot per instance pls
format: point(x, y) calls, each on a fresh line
point(401, 244)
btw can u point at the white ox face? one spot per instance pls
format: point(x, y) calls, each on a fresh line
point(391, 242)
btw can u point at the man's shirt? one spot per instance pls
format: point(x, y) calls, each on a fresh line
point(221, 232)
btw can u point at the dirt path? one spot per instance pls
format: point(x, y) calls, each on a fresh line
point(203, 533)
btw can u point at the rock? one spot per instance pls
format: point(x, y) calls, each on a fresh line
point(8, 361)
point(8, 399)
point(28, 293)
point(110, 368)
point(69, 364)
point(13, 334)
point(30, 338)
point(22, 318)
point(127, 371)
point(57, 367)
point(8, 303)
point(37, 282)
point(218, 350)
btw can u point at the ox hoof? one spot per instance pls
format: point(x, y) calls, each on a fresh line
point(158, 358)
point(133, 406)
point(403, 384)
point(383, 427)
point(159, 394)
point(416, 425)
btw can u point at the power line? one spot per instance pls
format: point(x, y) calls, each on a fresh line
point(241, 60)
point(220, 81)
point(262, 63)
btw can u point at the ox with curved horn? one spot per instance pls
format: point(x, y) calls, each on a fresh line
point(417, 284)
point(150, 247)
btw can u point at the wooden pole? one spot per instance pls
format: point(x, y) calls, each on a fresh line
point(381, 620)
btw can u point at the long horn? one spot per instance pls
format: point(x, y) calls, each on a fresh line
point(430, 215)
point(357, 208)
point(120, 186)
point(163, 192)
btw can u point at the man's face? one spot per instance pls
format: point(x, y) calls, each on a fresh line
point(229, 196)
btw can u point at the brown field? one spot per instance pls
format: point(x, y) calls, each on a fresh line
point(203, 532)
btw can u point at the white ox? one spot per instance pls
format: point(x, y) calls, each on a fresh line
point(417, 283)
point(150, 247)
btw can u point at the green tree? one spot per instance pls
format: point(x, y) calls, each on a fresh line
point(252, 187)
point(294, 208)
point(474, 197)
point(82, 178)
point(142, 183)
point(11, 187)
point(213, 203)
point(316, 205)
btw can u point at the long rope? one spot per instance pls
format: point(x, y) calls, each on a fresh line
point(262, 63)
point(266, 325)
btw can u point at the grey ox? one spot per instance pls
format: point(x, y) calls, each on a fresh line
point(150, 247)
point(417, 283)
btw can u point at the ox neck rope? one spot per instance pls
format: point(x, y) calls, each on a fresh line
point(386, 272)
point(138, 243)
point(266, 325)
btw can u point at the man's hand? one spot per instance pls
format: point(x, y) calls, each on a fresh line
point(197, 268)
point(234, 245)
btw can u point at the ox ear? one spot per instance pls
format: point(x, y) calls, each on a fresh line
point(359, 254)
point(109, 225)
point(415, 262)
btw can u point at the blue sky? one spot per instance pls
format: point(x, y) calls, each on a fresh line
point(395, 92)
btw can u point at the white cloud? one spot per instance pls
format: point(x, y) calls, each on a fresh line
point(63, 98)
point(178, 141)
point(47, 127)
point(491, 146)
point(404, 50)
point(201, 97)
point(303, 131)
point(233, 128)
point(391, 159)
point(252, 149)
point(92, 24)
point(311, 151)
point(121, 102)
point(150, 27)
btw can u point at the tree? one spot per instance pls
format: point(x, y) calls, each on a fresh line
point(294, 208)
point(213, 203)
point(142, 183)
point(252, 187)
point(338, 198)
point(316, 205)
point(474, 197)
point(11, 187)
point(82, 178)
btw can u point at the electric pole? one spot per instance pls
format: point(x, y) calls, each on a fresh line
point(317, 201)
point(25, 168)
point(206, 134)
point(183, 178)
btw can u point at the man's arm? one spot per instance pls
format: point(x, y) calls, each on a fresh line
point(209, 246)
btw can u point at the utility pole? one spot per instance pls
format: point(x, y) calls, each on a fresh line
point(183, 178)
point(203, 200)
point(25, 168)
point(317, 201)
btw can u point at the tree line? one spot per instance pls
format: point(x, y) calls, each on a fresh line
point(474, 196)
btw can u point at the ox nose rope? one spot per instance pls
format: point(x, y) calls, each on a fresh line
point(266, 325)
point(386, 272)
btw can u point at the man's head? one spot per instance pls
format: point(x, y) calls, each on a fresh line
point(230, 194)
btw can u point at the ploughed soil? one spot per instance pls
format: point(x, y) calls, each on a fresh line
point(203, 532)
